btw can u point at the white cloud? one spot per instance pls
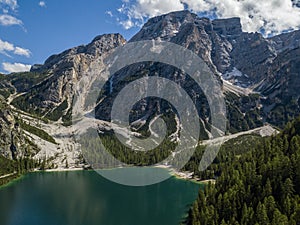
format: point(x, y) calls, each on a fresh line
point(127, 24)
point(156, 7)
point(15, 67)
point(143, 9)
point(8, 20)
point(42, 4)
point(22, 51)
point(12, 4)
point(9, 8)
point(198, 5)
point(273, 16)
point(6, 47)
point(109, 13)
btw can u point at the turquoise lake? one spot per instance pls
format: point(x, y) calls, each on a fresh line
point(86, 198)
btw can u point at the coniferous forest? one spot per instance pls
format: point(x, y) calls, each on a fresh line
point(258, 187)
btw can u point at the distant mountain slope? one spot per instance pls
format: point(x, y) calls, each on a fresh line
point(53, 97)
point(246, 60)
point(259, 76)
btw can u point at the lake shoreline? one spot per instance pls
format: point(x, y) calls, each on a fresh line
point(188, 176)
point(96, 199)
point(16, 177)
point(184, 176)
point(174, 173)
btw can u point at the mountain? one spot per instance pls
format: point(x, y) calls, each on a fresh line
point(53, 96)
point(249, 64)
point(259, 78)
point(14, 143)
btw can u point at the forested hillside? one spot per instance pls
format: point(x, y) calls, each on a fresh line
point(259, 187)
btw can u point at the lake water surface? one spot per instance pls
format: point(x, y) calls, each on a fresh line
point(86, 198)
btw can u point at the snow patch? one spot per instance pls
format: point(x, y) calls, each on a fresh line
point(234, 73)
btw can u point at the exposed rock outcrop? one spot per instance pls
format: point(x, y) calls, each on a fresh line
point(248, 61)
point(13, 142)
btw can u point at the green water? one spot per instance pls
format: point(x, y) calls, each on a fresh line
point(86, 198)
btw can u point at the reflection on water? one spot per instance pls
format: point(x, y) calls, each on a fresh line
point(85, 198)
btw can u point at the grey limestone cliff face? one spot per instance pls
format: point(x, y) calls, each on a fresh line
point(247, 60)
point(65, 70)
point(204, 37)
point(265, 71)
point(13, 142)
point(228, 27)
point(281, 88)
point(201, 35)
point(287, 41)
point(71, 57)
point(221, 43)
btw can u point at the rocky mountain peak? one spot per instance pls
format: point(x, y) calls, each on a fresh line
point(98, 46)
point(247, 60)
point(228, 27)
point(170, 25)
point(104, 43)
point(66, 69)
point(261, 82)
point(285, 41)
point(165, 26)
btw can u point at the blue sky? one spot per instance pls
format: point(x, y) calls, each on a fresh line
point(55, 25)
point(33, 30)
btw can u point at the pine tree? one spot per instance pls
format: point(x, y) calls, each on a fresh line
point(278, 218)
point(261, 213)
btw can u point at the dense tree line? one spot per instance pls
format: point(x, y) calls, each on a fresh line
point(15, 168)
point(36, 131)
point(258, 187)
point(229, 151)
point(98, 149)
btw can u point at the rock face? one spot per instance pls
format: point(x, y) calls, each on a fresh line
point(281, 88)
point(242, 58)
point(13, 142)
point(228, 27)
point(287, 41)
point(260, 78)
point(64, 71)
point(248, 62)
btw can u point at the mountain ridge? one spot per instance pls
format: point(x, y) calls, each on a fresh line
point(255, 72)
